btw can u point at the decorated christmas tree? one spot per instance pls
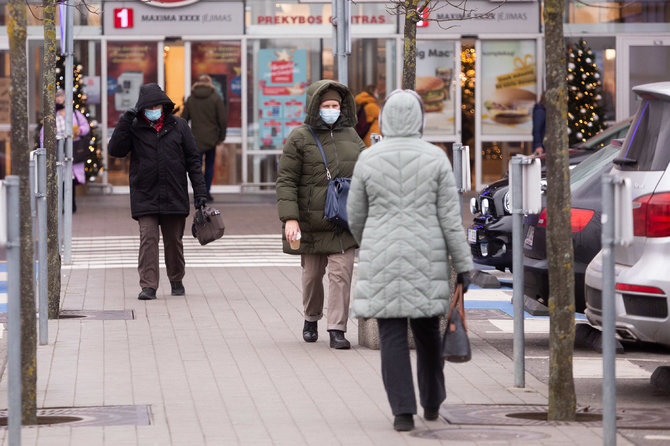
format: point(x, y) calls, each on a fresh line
point(93, 165)
point(584, 94)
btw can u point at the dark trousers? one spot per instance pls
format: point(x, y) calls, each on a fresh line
point(396, 367)
point(172, 229)
point(209, 156)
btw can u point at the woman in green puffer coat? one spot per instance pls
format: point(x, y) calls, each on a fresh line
point(301, 197)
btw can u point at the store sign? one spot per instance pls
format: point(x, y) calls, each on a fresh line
point(483, 16)
point(204, 18)
point(305, 16)
point(123, 18)
point(318, 20)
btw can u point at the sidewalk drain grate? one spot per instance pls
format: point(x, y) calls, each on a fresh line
point(479, 434)
point(522, 415)
point(98, 315)
point(90, 416)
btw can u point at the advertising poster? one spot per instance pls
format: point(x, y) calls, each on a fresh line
point(436, 82)
point(509, 87)
point(129, 66)
point(222, 61)
point(282, 87)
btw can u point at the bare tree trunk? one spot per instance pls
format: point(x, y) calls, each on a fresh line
point(562, 404)
point(409, 45)
point(48, 113)
point(16, 30)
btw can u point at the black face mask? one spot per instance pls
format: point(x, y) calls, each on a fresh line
point(60, 106)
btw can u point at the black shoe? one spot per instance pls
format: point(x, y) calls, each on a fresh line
point(338, 341)
point(310, 333)
point(209, 198)
point(147, 294)
point(403, 422)
point(177, 288)
point(431, 414)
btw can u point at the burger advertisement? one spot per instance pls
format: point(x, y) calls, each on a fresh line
point(436, 84)
point(509, 86)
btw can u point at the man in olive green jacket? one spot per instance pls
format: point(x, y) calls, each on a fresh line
point(207, 113)
point(301, 195)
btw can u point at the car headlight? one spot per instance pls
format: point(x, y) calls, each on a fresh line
point(485, 206)
point(473, 206)
point(507, 202)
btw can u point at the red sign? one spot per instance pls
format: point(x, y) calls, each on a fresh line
point(423, 23)
point(281, 71)
point(169, 3)
point(123, 17)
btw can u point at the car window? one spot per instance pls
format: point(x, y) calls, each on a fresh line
point(603, 138)
point(592, 165)
point(647, 145)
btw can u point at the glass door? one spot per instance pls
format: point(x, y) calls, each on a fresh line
point(643, 60)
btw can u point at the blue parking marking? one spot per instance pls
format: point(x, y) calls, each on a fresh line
point(3, 287)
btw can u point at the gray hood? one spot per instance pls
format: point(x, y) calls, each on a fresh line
point(402, 115)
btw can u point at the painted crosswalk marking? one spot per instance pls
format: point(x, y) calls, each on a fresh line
point(229, 251)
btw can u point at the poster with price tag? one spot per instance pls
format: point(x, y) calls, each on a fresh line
point(282, 91)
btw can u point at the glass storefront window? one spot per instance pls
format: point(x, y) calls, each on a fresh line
point(129, 66)
point(605, 53)
point(222, 61)
point(88, 13)
point(508, 85)
point(496, 156)
point(282, 71)
point(645, 11)
point(436, 82)
point(262, 170)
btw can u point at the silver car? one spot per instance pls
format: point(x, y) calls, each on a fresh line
point(642, 269)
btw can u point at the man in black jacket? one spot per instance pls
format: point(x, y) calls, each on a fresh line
point(162, 153)
point(207, 113)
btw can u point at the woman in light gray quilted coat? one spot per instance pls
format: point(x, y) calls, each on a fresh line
point(403, 210)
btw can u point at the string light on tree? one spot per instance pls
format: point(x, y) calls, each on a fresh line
point(584, 87)
point(93, 165)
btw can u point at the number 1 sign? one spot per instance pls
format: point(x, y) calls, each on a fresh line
point(123, 18)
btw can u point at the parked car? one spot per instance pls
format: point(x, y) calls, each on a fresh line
point(642, 282)
point(490, 235)
point(585, 198)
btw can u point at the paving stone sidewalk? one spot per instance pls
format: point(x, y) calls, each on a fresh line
point(226, 364)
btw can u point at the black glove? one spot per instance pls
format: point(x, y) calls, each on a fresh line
point(200, 202)
point(464, 279)
point(131, 113)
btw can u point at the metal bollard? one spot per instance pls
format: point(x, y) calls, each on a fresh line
point(59, 175)
point(519, 353)
point(43, 274)
point(13, 311)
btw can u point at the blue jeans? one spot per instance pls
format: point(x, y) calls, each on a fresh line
point(210, 156)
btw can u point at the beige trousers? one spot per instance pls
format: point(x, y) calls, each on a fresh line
point(340, 269)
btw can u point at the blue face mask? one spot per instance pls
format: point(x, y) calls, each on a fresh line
point(152, 115)
point(329, 115)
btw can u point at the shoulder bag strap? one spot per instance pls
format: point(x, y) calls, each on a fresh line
point(458, 304)
point(323, 155)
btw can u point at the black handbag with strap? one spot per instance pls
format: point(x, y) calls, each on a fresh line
point(455, 344)
point(335, 209)
point(207, 225)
